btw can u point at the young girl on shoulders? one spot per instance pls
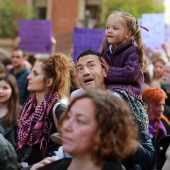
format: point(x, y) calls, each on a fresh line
point(124, 60)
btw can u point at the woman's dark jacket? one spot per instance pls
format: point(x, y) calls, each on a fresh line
point(63, 164)
point(33, 154)
point(144, 157)
point(8, 157)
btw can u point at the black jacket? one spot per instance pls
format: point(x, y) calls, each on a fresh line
point(8, 157)
point(161, 148)
point(33, 154)
point(63, 164)
point(144, 157)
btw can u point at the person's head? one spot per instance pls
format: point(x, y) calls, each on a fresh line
point(166, 75)
point(98, 124)
point(51, 75)
point(154, 99)
point(75, 84)
point(18, 57)
point(31, 59)
point(9, 96)
point(148, 51)
point(147, 78)
point(122, 26)
point(158, 64)
point(2, 70)
point(7, 63)
point(90, 72)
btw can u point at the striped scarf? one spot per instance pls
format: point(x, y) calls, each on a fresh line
point(33, 126)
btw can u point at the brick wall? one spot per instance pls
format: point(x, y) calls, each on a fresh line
point(64, 15)
point(64, 42)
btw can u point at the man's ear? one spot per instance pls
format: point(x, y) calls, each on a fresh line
point(49, 82)
point(104, 72)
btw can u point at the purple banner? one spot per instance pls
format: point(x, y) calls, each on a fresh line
point(36, 35)
point(86, 38)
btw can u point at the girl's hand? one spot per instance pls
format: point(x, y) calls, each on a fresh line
point(105, 65)
point(44, 162)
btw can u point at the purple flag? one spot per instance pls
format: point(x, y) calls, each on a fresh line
point(86, 38)
point(36, 35)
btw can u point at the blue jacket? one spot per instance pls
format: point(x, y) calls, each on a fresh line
point(125, 68)
point(22, 82)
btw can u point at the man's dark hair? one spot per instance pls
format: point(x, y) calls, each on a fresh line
point(20, 49)
point(89, 52)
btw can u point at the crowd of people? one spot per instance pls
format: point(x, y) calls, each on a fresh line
point(109, 109)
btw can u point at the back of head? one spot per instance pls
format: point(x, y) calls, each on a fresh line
point(116, 135)
point(58, 68)
point(166, 76)
point(2, 70)
point(7, 63)
point(153, 95)
point(167, 64)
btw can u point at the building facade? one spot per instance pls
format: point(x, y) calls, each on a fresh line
point(67, 14)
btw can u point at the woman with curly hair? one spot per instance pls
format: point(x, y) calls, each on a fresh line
point(98, 131)
point(49, 81)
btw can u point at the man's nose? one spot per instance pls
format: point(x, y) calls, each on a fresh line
point(86, 71)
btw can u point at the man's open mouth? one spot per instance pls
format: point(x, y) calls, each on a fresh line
point(88, 80)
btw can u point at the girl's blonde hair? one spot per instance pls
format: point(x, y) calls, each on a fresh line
point(130, 22)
